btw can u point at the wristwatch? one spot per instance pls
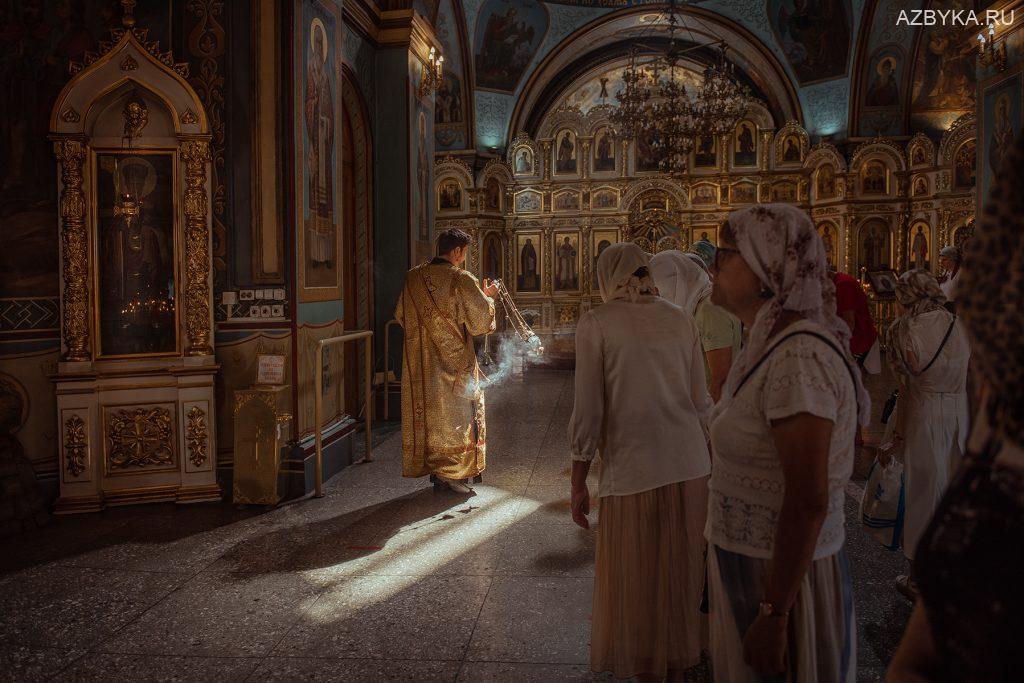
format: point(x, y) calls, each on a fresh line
point(767, 609)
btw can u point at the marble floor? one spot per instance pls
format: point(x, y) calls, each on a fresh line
point(382, 579)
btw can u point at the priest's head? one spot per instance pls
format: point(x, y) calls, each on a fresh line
point(453, 245)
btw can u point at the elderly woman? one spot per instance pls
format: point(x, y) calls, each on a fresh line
point(783, 443)
point(967, 624)
point(684, 280)
point(641, 404)
point(928, 351)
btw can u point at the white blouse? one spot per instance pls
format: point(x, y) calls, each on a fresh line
point(641, 396)
point(802, 375)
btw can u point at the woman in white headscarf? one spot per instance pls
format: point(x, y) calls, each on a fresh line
point(683, 279)
point(783, 443)
point(641, 404)
point(929, 352)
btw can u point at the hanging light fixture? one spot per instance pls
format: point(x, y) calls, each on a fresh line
point(722, 101)
point(655, 104)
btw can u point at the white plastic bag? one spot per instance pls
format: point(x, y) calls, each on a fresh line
point(882, 506)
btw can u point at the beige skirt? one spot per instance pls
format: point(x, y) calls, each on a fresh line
point(649, 580)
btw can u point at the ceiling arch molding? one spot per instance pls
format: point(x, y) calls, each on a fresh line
point(605, 39)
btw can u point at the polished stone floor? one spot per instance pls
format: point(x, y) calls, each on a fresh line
point(382, 579)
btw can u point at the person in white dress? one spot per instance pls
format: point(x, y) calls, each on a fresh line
point(782, 440)
point(929, 352)
point(642, 405)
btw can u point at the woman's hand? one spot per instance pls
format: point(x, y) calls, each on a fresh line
point(580, 505)
point(764, 645)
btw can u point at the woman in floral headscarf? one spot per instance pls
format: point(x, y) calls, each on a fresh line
point(783, 442)
point(641, 404)
point(928, 351)
point(967, 624)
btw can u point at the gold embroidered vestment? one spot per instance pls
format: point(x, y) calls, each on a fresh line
point(441, 309)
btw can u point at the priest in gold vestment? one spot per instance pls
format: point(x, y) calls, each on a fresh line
point(441, 309)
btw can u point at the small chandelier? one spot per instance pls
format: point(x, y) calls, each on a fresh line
point(655, 104)
point(431, 73)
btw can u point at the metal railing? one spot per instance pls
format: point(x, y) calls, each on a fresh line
point(318, 399)
point(387, 364)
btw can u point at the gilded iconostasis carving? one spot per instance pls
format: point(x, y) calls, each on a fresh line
point(575, 188)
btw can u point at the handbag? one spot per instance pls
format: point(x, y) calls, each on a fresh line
point(883, 505)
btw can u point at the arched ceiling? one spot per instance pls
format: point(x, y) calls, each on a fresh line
point(605, 42)
point(781, 46)
point(581, 84)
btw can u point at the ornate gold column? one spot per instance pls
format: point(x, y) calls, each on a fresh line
point(196, 154)
point(75, 250)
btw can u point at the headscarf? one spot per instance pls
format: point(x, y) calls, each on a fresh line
point(950, 252)
point(990, 296)
point(705, 250)
point(615, 268)
point(779, 243)
point(918, 292)
point(680, 279)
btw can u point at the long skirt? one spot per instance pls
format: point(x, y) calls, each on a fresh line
point(649, 580)
point(822, 634)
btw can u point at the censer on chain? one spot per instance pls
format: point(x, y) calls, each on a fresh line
point(519, 324)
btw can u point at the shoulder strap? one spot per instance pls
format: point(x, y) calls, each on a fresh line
point(939, 350)
point(776, 345)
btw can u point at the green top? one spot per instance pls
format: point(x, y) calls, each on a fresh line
point(718, 330)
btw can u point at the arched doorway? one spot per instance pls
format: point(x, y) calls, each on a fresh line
point(357, 222)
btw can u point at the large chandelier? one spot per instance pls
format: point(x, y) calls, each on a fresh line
point(656, 107)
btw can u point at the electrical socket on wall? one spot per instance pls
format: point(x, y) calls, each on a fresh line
point(245, 295)
point(277, 310)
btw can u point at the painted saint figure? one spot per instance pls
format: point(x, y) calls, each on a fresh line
point(319, 119)
point(883, 91)
point(523, 162)
point(441, 309)
point(605, 160)
point(919, 249)
point(746, 151)
point(528, 279)
point(964, 165)
point(791, 153)
point(566, 159)
point(566, 276)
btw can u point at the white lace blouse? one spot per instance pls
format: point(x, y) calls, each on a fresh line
point(802, 375)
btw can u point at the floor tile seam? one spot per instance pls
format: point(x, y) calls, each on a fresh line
point(335, 658)
point(95, 647)
point(291, 627)
point(472, 633)
point(69, 665)
point(189, 574)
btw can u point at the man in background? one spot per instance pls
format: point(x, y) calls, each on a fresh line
point(852, 307)
point(441, 309)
